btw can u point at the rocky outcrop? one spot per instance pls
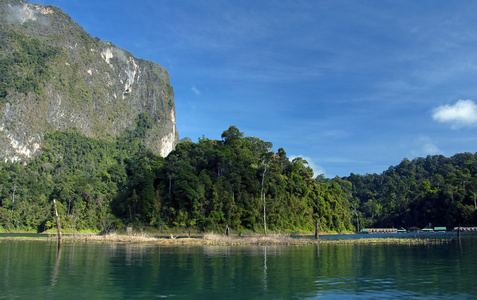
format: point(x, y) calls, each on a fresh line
point(56, 76)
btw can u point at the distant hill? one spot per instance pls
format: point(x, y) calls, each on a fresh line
point(55, 76)
point(434, 190)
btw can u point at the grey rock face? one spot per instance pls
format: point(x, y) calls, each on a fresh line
point(78, 81)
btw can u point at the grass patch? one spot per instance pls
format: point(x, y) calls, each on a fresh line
point(277, 239)
point(222, 240)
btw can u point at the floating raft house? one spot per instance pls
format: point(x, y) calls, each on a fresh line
point(427, 229)
point(466, 229)
point(379, 230)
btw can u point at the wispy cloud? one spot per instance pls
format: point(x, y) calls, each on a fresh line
point(431, 149)
point(317, 170)
point(424, 146)
point(26, 12)
point(461, 114)
point(195, 90)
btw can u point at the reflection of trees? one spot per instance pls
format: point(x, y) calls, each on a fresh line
point(82, 270)
point(6, 281)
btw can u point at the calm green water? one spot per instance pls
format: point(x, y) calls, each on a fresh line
point(35, 270)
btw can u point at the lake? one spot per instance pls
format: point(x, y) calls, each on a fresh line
point(36, 270)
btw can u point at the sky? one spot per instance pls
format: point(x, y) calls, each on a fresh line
point(350, 86)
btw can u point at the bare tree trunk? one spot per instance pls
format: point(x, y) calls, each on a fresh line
point(357, 218)
point(105, 223)
point(317, 225)
point(263, 198)
point(130, 213)
point(13, 196)
point(58, 225)
point(74, 227)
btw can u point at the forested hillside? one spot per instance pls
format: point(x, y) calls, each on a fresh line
point(103, 186)
point(108, 185)
point(436, 189)
point(83, 174)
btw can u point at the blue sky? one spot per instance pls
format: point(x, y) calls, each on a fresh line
point(351, 86)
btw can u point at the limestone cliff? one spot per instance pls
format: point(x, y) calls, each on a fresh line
point(55, 76)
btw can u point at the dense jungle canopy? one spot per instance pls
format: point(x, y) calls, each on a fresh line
point(207, 185)
point(108, 185)
point(436, 191)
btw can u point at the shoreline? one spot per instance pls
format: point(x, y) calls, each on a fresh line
point(222, 240)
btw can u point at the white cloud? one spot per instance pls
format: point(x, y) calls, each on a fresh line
point(195, 90)
point(317, 170)
point(425, 146)
point(431, 149)
point(461, 114)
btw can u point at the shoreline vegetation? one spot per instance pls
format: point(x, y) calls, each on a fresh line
point(223, 240)
point(237, 182)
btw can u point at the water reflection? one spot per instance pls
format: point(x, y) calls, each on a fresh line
point(55, 270)
point(7, 267)
point(115, 271)
point(264, 280)
point(54, 274)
